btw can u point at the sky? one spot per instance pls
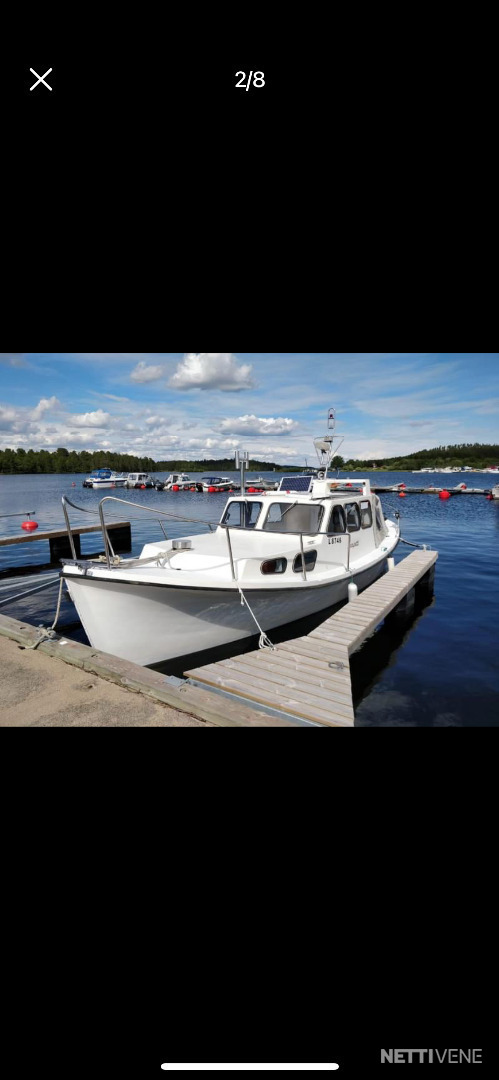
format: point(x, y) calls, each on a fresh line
point(192, 406)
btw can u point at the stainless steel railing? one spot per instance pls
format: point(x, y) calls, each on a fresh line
point(113, 498)
point(175, 517)
point(270, 531)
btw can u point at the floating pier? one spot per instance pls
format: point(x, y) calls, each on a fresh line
point(121, 538)
point(308, 679)
point(397, 488)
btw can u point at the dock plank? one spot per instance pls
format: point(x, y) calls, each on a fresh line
point(296, 676)
point(283, 677)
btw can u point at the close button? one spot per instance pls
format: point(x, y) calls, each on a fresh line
point(40, 79)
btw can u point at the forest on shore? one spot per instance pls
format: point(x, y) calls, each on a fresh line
point(477, 455)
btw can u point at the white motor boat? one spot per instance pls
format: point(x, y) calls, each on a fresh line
point(177, 480)
point(273, 558)
point(216, 483)
point(139, 480)
point(105, 478)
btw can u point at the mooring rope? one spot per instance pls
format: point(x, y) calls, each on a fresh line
point(264, 641)
point(424, 547)
point(43, 633)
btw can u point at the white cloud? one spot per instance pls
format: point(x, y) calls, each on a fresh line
point(145, 373)
point(212, 371)
point(91, 419)
point(44, 405)
point(258, 425)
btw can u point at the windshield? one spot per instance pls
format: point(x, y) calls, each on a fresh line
point(293, 517)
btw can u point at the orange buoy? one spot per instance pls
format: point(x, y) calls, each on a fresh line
point(444, 495)
point(29, 526)
point(401, 494)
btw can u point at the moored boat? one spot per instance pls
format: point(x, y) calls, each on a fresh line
point(269, 561)
point(105, 478)
point(139, 480)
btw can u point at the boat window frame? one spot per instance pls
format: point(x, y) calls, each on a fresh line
point(368, 507)
point(352, 528)
point(330, 530)
point(241, 503)
point(298, 569)
point(278, 559)
point(291, 506)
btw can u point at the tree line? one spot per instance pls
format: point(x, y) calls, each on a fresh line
point(85, 461)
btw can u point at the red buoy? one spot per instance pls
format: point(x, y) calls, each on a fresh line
point(444, 495)
point(175, 487)
point(489, 496)
point(29, 526)
point(192, 489)
point(142, 487)
point(211, 490)
point(401, 494)
point(252, 491)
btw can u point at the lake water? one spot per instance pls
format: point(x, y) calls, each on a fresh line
point(441, 670)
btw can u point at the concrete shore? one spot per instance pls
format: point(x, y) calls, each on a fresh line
point(62, 683)
point(42, 691)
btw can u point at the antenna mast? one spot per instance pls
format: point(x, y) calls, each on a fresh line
point(325, 447)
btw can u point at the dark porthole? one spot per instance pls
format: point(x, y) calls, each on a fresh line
point(310, 561)
point(274, 566)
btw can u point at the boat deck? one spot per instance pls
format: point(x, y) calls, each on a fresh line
point(308, 678)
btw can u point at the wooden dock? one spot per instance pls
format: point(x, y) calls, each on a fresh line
point(121, 538)
point(308, 678)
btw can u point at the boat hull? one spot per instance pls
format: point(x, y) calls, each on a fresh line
point(148, 624)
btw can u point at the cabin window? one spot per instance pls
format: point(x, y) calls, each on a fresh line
point(379, 518)
point(241, 514)
point(337, 522)
point(294, 518)
point(274, 566)
point(353, 516)
point(366, 518)
point(310, 561)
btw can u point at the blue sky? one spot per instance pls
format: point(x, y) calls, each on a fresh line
point(206, 405)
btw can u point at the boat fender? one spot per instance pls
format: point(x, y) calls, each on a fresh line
point(444, 494)
point(29, 526)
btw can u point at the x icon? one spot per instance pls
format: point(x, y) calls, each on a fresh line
point(41, 79)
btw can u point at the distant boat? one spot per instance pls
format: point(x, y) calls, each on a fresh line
point(139, 480)
point(176, 479)
point(105, 478)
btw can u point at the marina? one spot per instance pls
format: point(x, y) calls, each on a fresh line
point(441, 673)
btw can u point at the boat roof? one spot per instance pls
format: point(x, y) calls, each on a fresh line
point(319, 489)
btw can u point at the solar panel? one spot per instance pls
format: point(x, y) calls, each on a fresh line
point(296, 483)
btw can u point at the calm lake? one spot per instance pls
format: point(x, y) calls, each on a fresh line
point(441, 670)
